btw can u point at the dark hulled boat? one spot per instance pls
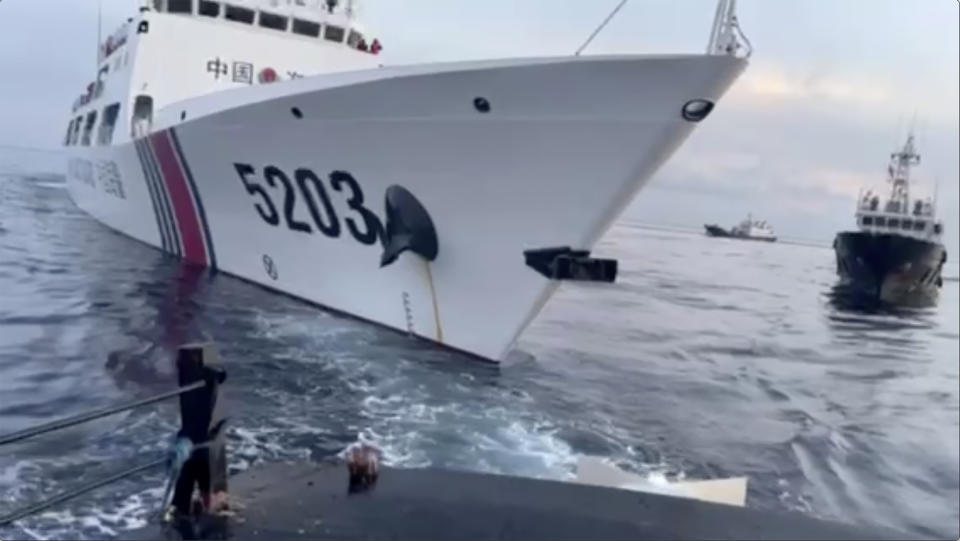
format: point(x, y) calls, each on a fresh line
point(714, 230)
point(896, 255)
point(748, 229)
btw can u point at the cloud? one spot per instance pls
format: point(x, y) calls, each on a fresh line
point(798, 144)
point(840, 182)
point(771, 86)
point(876, 95)
point(775, 85)
point(716, 165)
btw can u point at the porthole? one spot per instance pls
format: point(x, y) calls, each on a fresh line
point(481, 105)
point(697, 110)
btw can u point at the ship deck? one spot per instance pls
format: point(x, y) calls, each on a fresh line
point(310, 501)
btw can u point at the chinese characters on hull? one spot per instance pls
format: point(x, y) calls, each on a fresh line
point(242, 72)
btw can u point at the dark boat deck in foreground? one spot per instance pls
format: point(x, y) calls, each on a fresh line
point(310, 501)
point(318, 501)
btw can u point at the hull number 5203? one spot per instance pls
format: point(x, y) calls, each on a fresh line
point(305, 185)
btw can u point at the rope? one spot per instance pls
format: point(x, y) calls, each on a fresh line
point(433, 297)
point(91, 416)
point(601, 27)
point(182, 450)
point(69, 495)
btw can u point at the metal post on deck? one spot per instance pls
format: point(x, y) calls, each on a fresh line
point(202, 422)
point(198, 459)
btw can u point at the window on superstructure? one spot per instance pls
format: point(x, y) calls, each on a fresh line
point(66, 139)
point(919, 225)
point(867, 220)
point(77, 124)
point(937, 229)
point(101, 75)
point(107, 123)
point(274, 21)
point(142, 116)
point(906, 225)
point(240, 15)
point(180, 6)
point(334, 33)
point(894, 223)
point(306, 28)
point(88, 128)
point(881, 221)
point(354, 39)
point(209, 9)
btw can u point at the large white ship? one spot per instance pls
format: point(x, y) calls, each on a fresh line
point(270, 140)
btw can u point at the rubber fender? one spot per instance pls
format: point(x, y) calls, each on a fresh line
point(408, 227)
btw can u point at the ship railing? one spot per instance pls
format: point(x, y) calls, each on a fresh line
point(726, 35)
point(311, 8)
point(197, 457)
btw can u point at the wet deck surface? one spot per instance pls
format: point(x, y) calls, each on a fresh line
point(310, 501)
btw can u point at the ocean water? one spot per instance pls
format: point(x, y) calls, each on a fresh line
point(709, 358)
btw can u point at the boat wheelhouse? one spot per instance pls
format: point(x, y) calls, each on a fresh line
point(753, 229)
point(898, 214)
point(210, 46)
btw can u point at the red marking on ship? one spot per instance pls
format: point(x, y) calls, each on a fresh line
point(268, 75)
point(181, 197)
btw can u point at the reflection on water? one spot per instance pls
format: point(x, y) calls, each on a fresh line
point(854, 316)
point(847, 297)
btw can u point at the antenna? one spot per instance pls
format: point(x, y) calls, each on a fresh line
point(936, 192)
point(601, 27)
point(896, 134)
point(99, 34)
point(726, 36)
point(717, 23)
point(922, 133)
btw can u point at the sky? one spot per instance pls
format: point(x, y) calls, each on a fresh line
point(832, 88)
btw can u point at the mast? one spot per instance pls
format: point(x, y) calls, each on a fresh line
point(717, 21)
point(601, 27)
point(899, 176)
point(99, 35)
point(936, 194)
point(726, 36)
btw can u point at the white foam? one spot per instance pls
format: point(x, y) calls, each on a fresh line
point(318, 326)
point(250, 446)
point(12, 474)
point(131, 513)
point(412, 432)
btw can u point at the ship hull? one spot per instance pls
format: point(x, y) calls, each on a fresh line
point(284, 185)
point(890, 268)
point(717, 231)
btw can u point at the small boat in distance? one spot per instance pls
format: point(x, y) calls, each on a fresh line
point(748, 229)
point(897, 255)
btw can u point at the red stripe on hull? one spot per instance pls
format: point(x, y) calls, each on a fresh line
point(173, 177)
